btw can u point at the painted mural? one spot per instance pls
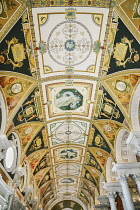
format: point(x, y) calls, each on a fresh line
point(39, 176)
point(13, 51)
point(67, 169)
point(123, 87)
point(49, 197)
point(46, 178)
point(67, 180)
point(70, 153)
point(100, 155)
point(94, 172)
point(129, 12)
point(26, 133)
point(91, 161)
point(110, 129)
point(98, 140)
point(132, 11)
point(106, 107)
point(126, 54)
point(83, 196)
point(44, 162)
point(74, 97)
point(48, 189)
point(37, 143)
point(7, 10)
point(85, 187)
point(30, 109)
point(15, 88)
point(34, 159)
point(110, 42)
point(67, 108)
point(88, 176)
point(74, 132)
point(69, 99)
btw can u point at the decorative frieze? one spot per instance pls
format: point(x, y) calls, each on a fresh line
point(126, 169)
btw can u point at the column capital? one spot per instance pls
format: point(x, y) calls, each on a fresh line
point(112, 187)
point(122, 178)
point(103, 199)
point(111, 195)
point(121, 194)
point(126, 169)
point(136, 177)
point(134, 138)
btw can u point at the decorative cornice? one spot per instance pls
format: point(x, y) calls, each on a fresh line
point(126, 169)
point(111, 195)
point(112, 187)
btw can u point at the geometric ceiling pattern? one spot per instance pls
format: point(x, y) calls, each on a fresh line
point(68, 73)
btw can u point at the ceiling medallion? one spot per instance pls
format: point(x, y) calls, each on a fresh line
point(73, 43)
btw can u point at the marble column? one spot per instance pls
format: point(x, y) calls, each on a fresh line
point(137, 180)
point(124, 170)
point(126, 192)
point(115, 187)
point(123, 201)
point(111, 196)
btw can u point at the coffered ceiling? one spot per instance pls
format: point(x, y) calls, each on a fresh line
point(69, 71)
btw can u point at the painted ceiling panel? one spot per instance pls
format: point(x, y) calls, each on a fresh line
point(44, 162)
point(67, 181)
point(69, 41)
point(69, 72)
point(67, 169)
point(30, 109)
point(100, 155)
point(74, 132)
point(91, 161)
point(85, 187)
point(62, 98)
point(122, 87)
point(27, 132)
point(129, 57)
point(128, 11)
point(109, 129)
point(15, 88)
point(68, 153)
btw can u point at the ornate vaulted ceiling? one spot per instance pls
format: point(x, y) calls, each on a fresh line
point(69, 71)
